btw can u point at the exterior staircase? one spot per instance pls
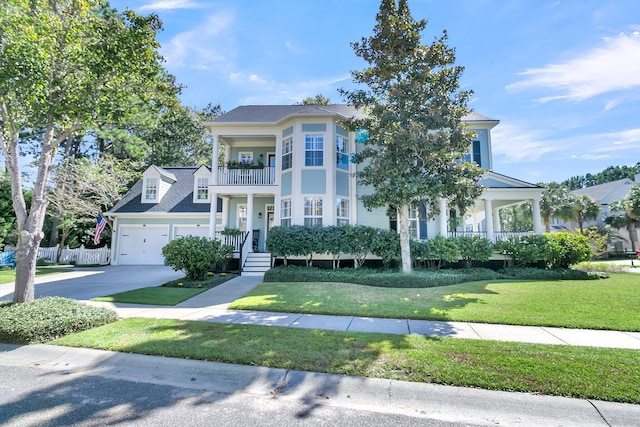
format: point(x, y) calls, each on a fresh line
point(256, 264)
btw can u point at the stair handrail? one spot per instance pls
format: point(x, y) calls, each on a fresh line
point(244, 250)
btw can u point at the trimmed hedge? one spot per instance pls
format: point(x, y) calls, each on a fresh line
point(419, 279)
point(380, 278)
point(48, 318)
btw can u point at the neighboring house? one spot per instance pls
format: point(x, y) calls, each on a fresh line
point(284, 165)
point(604, 194)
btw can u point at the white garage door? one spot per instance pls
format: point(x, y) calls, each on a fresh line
point(142, 245)
point(191, 230)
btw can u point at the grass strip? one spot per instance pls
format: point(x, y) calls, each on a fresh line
point(589, 373)
point(170, 293)
point(7, 275)
point(153, 295)
point(612, 303)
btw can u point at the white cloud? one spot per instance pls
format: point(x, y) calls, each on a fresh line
point(171, 5)
point(512, 143)
point(612, 67)
point(520, 145)
point(203, 45)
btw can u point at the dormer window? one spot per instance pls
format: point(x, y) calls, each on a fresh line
point(151, 190)
point(201, 181)
point(202, 190)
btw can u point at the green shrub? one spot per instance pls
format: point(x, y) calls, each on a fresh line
point(474, 248)
point(358, 241)
point(521, 251)
point(196, 255)
point(554, 274)
point(386, 245)
point(48, 318)
point(562, 250)
point(440, 249)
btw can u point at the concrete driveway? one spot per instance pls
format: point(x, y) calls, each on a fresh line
point(87, 283)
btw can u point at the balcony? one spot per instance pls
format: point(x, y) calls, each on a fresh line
point(246, 176)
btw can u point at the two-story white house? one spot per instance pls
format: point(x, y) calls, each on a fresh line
point(284, 165)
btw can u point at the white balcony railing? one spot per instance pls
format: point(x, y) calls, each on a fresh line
point(246, 176)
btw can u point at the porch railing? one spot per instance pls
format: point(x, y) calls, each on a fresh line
point(498, 236)
point(246, 176)
point(235, 241)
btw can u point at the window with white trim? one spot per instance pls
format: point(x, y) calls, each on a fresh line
point(314, 148)
point(245, 157)
point(312, 211)
point(342, 152)
point(151, 189)
point(287, 153)
point(202, 189)
point(285, 212)
point(414, 216)
point(342, 211)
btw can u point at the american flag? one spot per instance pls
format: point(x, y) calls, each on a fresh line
point(101, 223)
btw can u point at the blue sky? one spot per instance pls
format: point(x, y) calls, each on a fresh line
point(563, 77)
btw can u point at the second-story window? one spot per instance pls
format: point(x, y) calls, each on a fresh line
point(476, 153)
point(314, 148)
point(202, 189)
point(287, 153)
point(151, 189)
point(342, 153)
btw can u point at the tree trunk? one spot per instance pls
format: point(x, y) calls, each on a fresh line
point(27, 258)
point(54, 235)
point(547, 224)
point(633, 235)
point(405, 237)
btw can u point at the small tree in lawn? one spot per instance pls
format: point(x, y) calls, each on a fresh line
point(413, 107)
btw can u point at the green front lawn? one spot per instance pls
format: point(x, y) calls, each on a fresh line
point(590, 373)
point(7, 275)
point(170, 293)
point(612, 303)
point(153, 295)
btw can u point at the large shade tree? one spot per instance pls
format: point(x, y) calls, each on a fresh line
point(414, 109)
point(65, 66)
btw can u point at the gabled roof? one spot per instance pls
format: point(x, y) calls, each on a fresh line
point(178, 199)
point(274, 114)
point(601, 191)
point(163, 172)
point(492, 179)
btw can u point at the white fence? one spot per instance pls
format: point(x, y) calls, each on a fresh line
point(78, 256)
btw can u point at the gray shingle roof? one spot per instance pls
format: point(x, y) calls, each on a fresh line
point(178, 199)
point(599, 192)
point(271, 114)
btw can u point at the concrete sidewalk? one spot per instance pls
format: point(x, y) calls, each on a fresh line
point(466, 406)
point(211, 306)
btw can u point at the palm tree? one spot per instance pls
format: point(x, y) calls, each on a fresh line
point(555, 201)
point(584, 208)
point(626, 213)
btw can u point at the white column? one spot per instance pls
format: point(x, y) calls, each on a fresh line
point(497, 227)
point(442, 206)
point(225, 212)
point(537, 219)
point(250, 220)
point(488, 215)
point(213, 213)
point(214, 160)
